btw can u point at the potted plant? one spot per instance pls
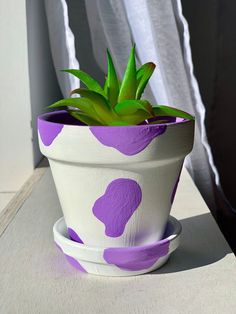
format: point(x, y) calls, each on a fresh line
point(116, 162)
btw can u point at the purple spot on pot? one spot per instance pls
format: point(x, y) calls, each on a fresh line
point(128, 140)
point(48, 131)
point(136, 258)
point(121, 198)
point(175, 188)
point(74, 236)
point(75, 263)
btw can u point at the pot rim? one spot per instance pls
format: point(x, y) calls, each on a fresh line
point(45, 117)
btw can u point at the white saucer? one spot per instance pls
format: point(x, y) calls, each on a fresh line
point(123, 261)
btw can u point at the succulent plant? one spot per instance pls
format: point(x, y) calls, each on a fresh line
point(117, 103)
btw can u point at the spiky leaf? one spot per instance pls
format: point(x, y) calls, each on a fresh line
point(91, 83)
point(118, 123)
point(100, 104)
point(129, 83)
point(129, 107)
point(86, 119)
point(136, 118)
point(172, 112)
point(106, 87)
point(143, 75)
point(84, 104)
point(112, 84)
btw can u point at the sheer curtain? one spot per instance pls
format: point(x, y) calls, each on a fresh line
point(161, 34)
point(62, 43)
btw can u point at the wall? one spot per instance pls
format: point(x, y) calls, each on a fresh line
point(16, 155)
point(27, 86)
point(44, 89)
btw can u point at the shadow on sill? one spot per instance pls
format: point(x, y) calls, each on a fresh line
point(201, 244)
point(43, 163)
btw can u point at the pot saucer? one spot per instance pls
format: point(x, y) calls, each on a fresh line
point(118, 261)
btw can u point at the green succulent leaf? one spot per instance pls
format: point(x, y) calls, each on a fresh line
point(129, 107)
point(80, 103)
point(100, 104)
point(143, 75)
point(129, 82)
point(112, 84)
point(137, 118)
point(172, 112)
point(86, 119)
point(106, 87)
point(118, 103)
point(91, 83)
point(118, 123)
point(83, 104)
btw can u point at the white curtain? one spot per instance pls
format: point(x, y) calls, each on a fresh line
point(62, 44)
point(161, 35)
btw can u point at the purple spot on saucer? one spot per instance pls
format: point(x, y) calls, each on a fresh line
point(48, 131)
point(72, 260)
point(74, 236)
point(75, 263)
point(136, 258)
point(121, 198)
point(128, 140)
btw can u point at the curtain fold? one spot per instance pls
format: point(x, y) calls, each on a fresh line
point(62, 44)
point(202, 169)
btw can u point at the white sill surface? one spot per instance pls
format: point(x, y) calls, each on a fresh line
point(35, 278)
point(5, 198)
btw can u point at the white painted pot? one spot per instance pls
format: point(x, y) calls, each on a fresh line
point(116, 184)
